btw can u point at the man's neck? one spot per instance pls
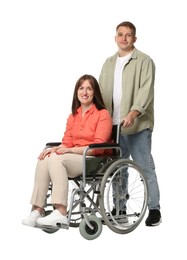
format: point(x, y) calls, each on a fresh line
point(125, 53)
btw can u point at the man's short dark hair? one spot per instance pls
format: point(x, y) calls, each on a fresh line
point(127, 24)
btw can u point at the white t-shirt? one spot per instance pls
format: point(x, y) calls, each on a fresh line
point(117, 91)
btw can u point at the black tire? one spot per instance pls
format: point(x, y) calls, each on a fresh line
point(89, 233)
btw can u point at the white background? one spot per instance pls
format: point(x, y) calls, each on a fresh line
point(45, 46)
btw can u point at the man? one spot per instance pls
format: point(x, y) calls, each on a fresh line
point(127, 85)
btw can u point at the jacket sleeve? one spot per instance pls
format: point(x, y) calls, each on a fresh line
point(145, 93)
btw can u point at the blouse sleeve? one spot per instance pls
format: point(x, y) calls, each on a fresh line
point(67, 138)
point(103, 130)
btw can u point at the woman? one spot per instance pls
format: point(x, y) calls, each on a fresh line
point(88, 123)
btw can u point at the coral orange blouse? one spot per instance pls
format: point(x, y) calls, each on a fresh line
point(94, 127)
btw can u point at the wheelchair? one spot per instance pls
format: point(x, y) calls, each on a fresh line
point(99, 195)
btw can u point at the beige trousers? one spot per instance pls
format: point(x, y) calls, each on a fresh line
point(55, 169)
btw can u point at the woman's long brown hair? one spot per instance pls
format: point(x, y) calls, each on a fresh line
point(97, 100)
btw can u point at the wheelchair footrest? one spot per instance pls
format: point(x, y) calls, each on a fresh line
point(58, 226)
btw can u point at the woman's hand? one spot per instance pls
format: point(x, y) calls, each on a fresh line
point(57, 149)
point(47, 152)
point(61, 150)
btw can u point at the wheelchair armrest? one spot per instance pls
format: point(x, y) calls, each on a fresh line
point(98, 145)
point(104, 145)
point(51, 144)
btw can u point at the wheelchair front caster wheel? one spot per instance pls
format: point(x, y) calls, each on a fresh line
point(91, 233)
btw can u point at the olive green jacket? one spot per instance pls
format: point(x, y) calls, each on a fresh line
point(137, 89)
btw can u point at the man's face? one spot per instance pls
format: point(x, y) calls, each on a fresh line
point(125, 39)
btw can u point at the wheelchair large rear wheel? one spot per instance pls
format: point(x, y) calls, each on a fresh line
point(124, 188)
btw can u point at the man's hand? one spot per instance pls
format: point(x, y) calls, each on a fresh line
point(128, 121)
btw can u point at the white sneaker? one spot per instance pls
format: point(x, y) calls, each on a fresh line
point(31, 219)
point(55, 219)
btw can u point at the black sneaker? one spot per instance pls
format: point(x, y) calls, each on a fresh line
point(121, 212)
point(154, 218)
point(120, 217)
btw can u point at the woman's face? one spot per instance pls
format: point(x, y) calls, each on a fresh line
point(85, 93)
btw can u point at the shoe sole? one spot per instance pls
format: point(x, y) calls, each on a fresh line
point(28, 225)
point(155, 224)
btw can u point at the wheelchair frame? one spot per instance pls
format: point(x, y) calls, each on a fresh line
point(114, 182)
